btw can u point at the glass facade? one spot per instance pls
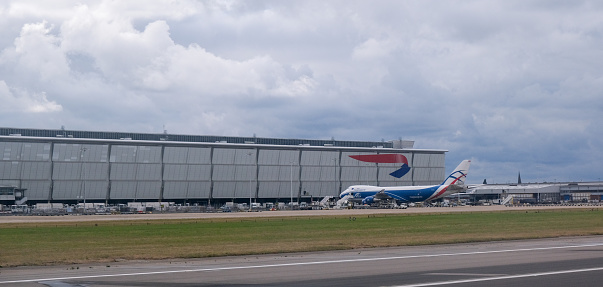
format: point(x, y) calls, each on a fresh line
point(59, 169)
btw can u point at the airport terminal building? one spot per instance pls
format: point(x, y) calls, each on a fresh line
point(69, 166)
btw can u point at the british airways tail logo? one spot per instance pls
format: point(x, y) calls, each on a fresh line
point(386, 158)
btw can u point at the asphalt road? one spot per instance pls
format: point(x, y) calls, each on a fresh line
point(574, 261)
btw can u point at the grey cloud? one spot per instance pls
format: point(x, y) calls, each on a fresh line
point(514, 85)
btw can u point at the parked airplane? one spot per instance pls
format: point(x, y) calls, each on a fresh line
point(367, 194)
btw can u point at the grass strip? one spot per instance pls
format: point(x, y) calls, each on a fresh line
point(110, 241)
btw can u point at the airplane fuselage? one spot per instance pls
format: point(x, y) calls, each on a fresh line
point(367, 194)
point(403, 194)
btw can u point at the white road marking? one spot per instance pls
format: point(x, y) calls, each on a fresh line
point(501, 277)
point(464, 274)
point(307, 263)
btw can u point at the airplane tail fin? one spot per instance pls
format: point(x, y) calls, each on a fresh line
point(458, 176)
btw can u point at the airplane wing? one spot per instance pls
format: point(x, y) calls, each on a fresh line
point(382, 195)
point(457, 188)
point(467, 189)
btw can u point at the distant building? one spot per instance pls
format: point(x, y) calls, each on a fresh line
point(113, 167)
point(540, 193)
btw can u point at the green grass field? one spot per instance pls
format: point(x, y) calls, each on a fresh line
point(110, 241)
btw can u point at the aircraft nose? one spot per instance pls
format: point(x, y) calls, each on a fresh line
point(344, 193)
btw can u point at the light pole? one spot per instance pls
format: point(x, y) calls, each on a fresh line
point(250, 176)
point(291, 177)
point(335, 178)
point(82, 183)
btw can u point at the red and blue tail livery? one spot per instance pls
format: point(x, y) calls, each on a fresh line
point(368, 194)
point(386, 158)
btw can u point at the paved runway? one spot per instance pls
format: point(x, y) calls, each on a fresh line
point(574, 261)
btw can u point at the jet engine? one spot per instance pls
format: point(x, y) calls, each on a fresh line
point(368, 200)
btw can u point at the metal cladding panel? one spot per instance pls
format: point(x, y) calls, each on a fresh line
point(36, 170)
point(36, 189)
point(67, 171)
point(72, 190)
point(368, 173)
point(310, 173)
point(188, 155)
point(223, 156)
point(437, 160)
point(198, 189)
point(148, 172)
point(278, 189)
point(246, 189)
point(285, 190)
point(421, 160)
point(148, 154)
point(310, 157)
point(278, 173)
point(245, 172)
point(95, 171)
point(67, 190)
point(270, 173)
point(199, 172)
point(322, 173)
point(175, 172)
point(199, 156)
point(148, 189)
point(288, 157)
point(350, 173)
point(278, 157)
point(268, 157)
point(96, 189)
point(123, 189)
point(122, 153)
point(10, 151)
point(74, 152)
point(14, 182)
point(175, 155)
point(224, 189)
point(421, 174)
point(316, 188)
point(224, 172)
point(329, 158)
point(359, 173)
point(60, 153)
point(10, 169)
point(288, 173)
point(245, 156)
point(123, 171)
point(94, 153)
point(269, 189)
point(322, 158)
point(437, 174)
point(175, 189)
point(184, 190)
point(233, 189)
point(35, 152)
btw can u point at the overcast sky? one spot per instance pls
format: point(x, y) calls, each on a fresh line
point(516, 86)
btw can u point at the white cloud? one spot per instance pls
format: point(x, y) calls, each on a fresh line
point(21, 102)
point(511, 84)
